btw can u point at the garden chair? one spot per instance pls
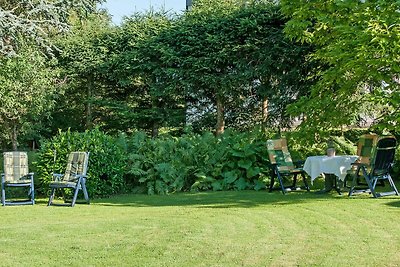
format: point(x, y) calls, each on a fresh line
point(283, 166)
point(365, 149)
point(73, 178)
point(16, 174)
point(381, 162)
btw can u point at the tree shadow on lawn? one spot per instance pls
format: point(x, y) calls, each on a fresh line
point(395, 204)
point(220, 199)
point(237, 199)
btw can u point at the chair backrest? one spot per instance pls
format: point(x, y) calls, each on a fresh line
point(279, 154)
point(384, 154)
point(76, 165)
point(15, 165)
point(365, 147)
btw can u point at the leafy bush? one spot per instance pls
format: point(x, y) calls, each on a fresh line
point(198, 162)
point(107, 160)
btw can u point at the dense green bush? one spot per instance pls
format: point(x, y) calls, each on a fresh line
point(198, 162)
point(107, 160)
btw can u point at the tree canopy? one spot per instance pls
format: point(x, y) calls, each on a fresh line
point(358, 42)
point(37, 21)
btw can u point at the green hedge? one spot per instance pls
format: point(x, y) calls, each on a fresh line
point(192, 162)
point(107, 160)
point(198, 162)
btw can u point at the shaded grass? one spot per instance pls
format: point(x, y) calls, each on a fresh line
point(244, 228)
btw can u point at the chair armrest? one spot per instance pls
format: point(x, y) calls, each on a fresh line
point(78, 176)
point(57, 177)
point(29, 175)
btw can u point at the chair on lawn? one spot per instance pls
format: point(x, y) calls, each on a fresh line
point(16, 174)
point(365, 149)
point(73, 178)
point(377, 169)
point(283, 166)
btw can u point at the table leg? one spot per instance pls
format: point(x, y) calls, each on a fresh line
point(331, 182)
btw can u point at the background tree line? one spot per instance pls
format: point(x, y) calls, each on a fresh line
point(231, 63)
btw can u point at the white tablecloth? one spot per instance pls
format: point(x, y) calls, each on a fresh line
point(337, 165)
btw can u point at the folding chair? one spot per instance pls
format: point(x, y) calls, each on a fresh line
point(283, 166)
point(365, 149)
point(16, 174)
point(378, 169)
point(73, 178)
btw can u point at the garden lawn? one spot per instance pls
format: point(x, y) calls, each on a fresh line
point(245, 228)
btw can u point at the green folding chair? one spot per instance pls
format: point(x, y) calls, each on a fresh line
point(365, 149)
point(16, 174)
point(283, 166)
point(378, 168)
point(73, 178)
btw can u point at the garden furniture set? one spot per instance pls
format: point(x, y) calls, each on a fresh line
point(373, 162)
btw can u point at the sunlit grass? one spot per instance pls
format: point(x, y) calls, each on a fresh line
point(205, 229)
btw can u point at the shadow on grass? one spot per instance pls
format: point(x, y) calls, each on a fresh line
point(220, 199)
point(395, 204)
point(230, 199)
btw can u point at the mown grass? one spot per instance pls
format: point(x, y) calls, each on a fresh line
point(246, 228)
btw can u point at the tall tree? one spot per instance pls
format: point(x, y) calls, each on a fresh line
point(27, 83)
point(142, 100)
point(229, 56)
point(82, 54)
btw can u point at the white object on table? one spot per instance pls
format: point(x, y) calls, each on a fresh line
point(337, 165)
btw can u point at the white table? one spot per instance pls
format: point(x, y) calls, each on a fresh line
point(337, 165)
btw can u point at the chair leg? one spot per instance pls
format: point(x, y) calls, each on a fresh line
point(53, 191)
point(3, 194)
point(281, 183)
point(32, 192)
point(370, 185)
point(85, 193)
point(78, 185)
point(392, 185)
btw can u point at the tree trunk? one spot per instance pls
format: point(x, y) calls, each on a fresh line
point(88, 111)
point(154, 130)
point(14, 137)
point(220, 127)
point(264, 112)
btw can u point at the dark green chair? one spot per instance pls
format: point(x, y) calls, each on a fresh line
point(283, 166)
point(378, 169)
point(73, 178)
point(16, 174)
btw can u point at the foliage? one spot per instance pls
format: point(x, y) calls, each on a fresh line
point(198, 162)
point(358, 43)
point(27, 85)
point(37, 21)
point(137, 70)
point(107, 160)
point(227, 56)
point(83, 52)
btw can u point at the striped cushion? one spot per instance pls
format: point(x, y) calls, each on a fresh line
point(365, 148)
point(279, 154)
point(15, 167)
point(76, 165)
